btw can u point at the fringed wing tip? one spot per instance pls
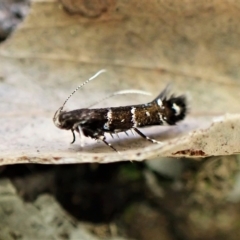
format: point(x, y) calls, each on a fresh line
point(175, 107)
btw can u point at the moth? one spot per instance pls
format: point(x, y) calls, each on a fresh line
point(165, 109)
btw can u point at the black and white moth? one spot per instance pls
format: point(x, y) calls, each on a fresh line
point(165, 109)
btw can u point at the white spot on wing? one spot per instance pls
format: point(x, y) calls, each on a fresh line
point(147, 113)
point(109, 114)
point(109, 119)
point(176, 108)
point(162, 119)
point(133, 117)
point(159, 102)
point(133, 110)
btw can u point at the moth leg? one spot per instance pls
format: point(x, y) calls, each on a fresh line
point(103, 139)
point(81, 135)
point(126, 133)
point(98, 135)
point(74, 138)
point(133, 133)
point(144, 136)
point(111, 135)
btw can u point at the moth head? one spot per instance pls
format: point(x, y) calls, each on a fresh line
point(66, 121)
point(70, 119)
point(56, 119)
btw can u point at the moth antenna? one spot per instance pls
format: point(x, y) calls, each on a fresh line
point(84, 83)
point(129, 91)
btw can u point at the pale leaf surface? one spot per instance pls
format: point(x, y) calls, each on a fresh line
point(194, 46)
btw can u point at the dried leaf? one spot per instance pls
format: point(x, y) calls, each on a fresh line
point(143, 46)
